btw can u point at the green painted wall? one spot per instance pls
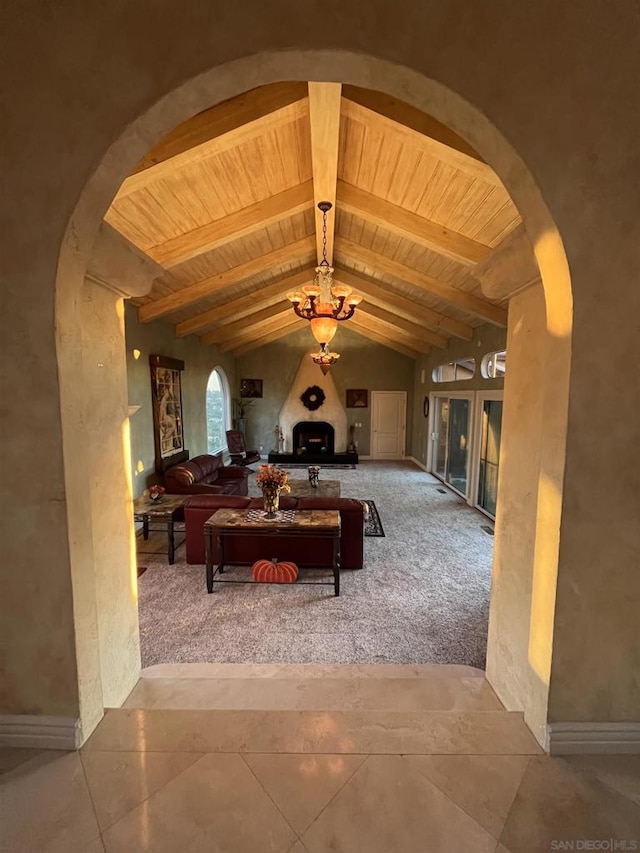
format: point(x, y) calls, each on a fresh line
point(362, 365)
point(485, 339)
point(159, 338)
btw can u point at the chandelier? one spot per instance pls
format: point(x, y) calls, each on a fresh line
point(324, 359)
point(324, 303)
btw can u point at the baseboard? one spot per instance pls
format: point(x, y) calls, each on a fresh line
point(593, 738)
point(417, 462)
point(39, 732)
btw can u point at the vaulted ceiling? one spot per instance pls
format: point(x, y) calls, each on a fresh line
point(226, 205)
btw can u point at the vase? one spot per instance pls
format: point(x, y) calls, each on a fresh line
point(270, 500)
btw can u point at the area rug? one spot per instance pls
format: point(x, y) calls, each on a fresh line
point(372, 523)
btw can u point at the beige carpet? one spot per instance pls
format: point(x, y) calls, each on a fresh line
point(422, 597)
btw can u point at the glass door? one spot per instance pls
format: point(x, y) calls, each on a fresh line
point(441, 436)
point(451, 441)
point(459, 423)
point(490, 433)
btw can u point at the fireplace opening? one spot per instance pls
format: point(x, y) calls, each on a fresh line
point(313, 437)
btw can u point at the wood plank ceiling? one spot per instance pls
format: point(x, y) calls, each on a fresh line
point(226, 204)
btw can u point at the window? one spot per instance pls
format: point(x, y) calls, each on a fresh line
point(218, 418)
point(494, 365)
point(455, 371)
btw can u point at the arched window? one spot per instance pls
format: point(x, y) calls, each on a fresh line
point(454, 371)
point(494, 365)
point(218, 410)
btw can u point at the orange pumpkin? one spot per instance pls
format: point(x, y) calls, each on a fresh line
point(271, 571)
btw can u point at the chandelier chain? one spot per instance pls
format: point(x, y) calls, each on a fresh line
point(324, 237)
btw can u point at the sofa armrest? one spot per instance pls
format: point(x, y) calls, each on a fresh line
point(233, 473)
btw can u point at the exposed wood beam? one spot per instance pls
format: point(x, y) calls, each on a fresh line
point(460, 298)
point(264, 297)
point(300, 250)
point(402, 308)
point(324, 119)
point(286, 320)
point(243, 222)
point(393, 332)
point(382, 296)
point(510, 268)
point(263, 341)
point(376, 337)
point(414, 331)
point(417, 128)
point(404, 223)
point(216, 130)
point(237, 329)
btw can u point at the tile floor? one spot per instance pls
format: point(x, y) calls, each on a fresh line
point(143, 784)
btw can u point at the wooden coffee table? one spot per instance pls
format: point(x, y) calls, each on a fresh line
point(324, 489)
point(164, 511)
point(311, 524)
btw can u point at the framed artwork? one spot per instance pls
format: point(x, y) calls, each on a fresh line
point(357, 398)
point(251, 387)
point(166, 398)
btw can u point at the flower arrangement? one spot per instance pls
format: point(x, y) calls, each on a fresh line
point(156, 492)
point(272, 477)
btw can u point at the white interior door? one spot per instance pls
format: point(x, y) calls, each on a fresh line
point(388, 424)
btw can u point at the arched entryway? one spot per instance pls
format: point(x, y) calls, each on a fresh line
point(102, 673)
point(118, 667)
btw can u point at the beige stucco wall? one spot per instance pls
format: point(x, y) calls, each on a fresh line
point(73, 119)
point(362, 364)
point(158, 338)
point(106, 422)
point(516, 666)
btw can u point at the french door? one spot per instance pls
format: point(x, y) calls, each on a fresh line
point(489, 433)
point(451, 440)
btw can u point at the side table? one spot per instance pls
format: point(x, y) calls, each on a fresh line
point(165, 511)
point(311, 524)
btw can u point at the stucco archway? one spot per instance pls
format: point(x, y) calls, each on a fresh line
point(106, 646)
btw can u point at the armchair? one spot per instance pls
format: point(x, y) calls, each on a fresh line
point(238, 450)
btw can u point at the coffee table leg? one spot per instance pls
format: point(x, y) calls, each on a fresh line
point(209, 561)
point(145, 527)
point(172, 542)
point(336, 566)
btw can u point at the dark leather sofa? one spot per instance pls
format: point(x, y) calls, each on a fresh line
point(206, 475)
point(199, 509)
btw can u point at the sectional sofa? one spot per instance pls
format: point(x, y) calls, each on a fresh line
point(200, 508)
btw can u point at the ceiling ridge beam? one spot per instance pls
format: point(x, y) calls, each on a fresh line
point(263, 297)
point(193, 293)
point(324, 121)
point(404, 223)
point(218, 129)
point(458, 298)
point(241, 223)
point(417, 129)
point(383, 295)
